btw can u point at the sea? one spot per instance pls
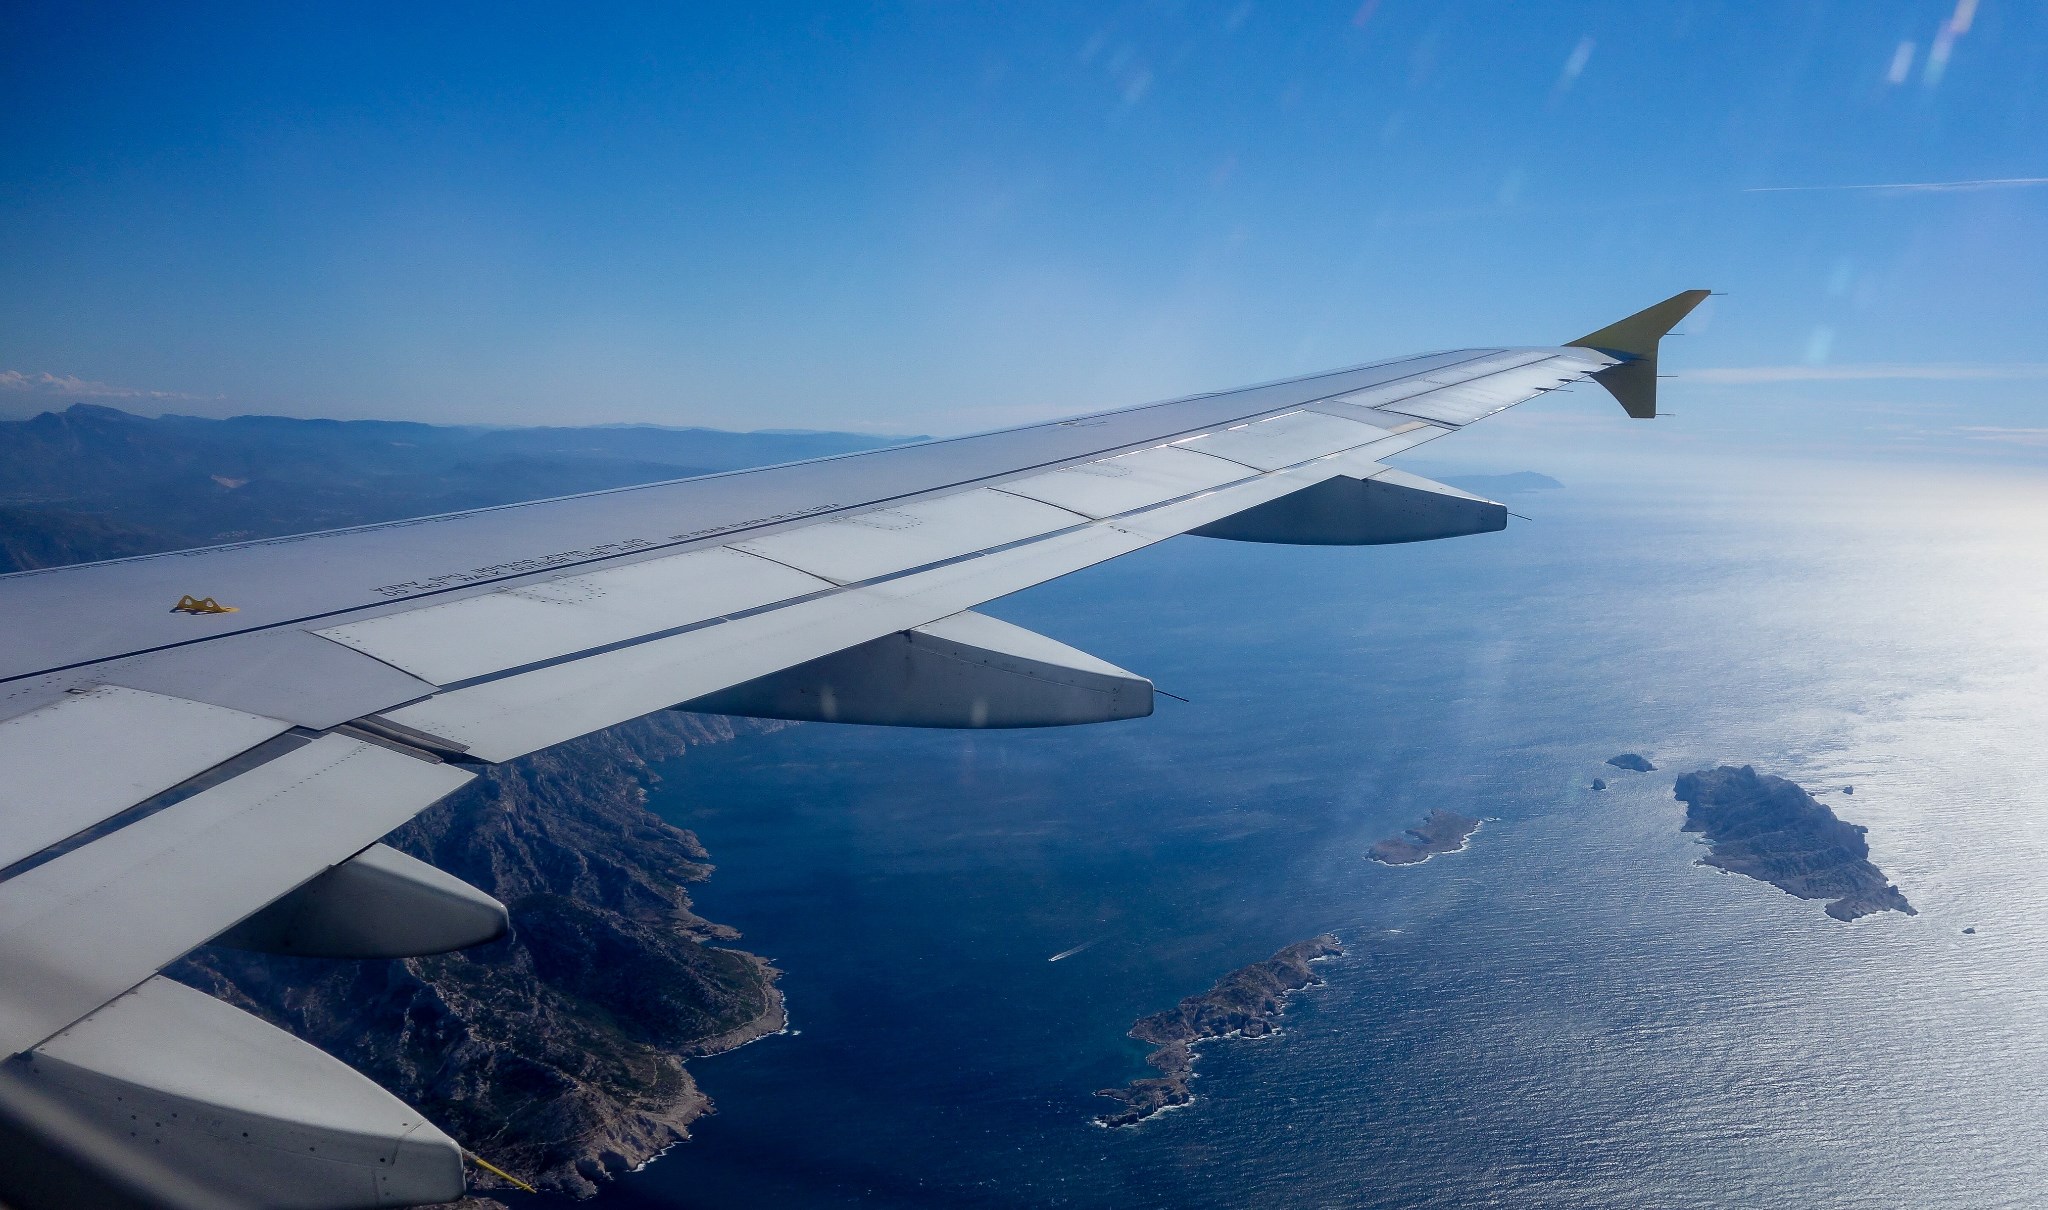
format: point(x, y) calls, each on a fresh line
point(1572, 1012)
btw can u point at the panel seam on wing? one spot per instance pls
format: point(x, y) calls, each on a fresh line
point(853, 586)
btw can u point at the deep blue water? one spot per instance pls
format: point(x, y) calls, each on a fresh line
point(1570, 1013)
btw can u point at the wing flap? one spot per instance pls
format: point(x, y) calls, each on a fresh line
point(1109, 486)
point(1283, 441)
point(79, 930)
point(95, 752)
point(885, 541)
point(477, 636)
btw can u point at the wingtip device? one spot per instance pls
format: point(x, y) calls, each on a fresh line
point(1633, 382)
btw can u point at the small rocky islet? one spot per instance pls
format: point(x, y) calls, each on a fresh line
point(1770, 829)
point(1247, 1002)
point(1441, 831)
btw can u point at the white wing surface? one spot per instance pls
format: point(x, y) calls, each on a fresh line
point(171, 777)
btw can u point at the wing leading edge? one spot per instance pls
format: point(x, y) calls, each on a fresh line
point(176, 774)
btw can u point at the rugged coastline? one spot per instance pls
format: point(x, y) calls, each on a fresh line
point(1441, 831)
point(1247, 1002)
point(1771, 830)
point(557, 1053)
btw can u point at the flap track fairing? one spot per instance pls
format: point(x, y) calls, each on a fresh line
point(1388, 507)
point(378, 904)
point(968, 670)
point(207, 1090)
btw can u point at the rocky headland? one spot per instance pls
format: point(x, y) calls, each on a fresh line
point(1769, 829)
point(558, 1052)
point(1441, 831)
point(1246, 1003)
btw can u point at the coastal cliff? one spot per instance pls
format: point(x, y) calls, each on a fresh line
point(1246, 1003)
point(1769, 829)
point(558, 1052)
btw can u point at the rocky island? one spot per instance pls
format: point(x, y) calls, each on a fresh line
point(1771, 830)
point(1441, 831)
point(1633, 762)
point(1244, 1003)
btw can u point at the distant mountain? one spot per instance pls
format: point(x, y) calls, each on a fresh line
point(52, 537)
point(102, 483)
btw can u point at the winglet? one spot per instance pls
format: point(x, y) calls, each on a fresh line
point(1634, 341)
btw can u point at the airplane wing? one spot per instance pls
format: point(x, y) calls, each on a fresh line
point(207, 745)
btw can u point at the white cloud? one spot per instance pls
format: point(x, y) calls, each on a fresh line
point(1872, 371)
point(2008, 436)
point(73, 387)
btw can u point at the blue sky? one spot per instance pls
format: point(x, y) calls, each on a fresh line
point(939, 218)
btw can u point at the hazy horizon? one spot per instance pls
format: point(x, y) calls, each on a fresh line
point(922, 220)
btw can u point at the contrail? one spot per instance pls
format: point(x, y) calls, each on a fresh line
point(2010, 182)
point(1070, 953)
